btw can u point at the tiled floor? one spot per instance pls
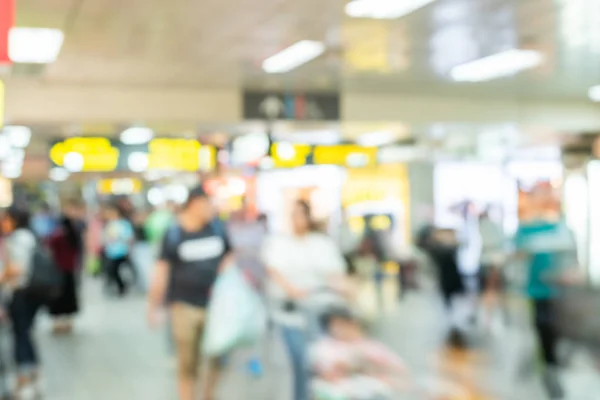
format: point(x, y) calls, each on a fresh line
point(115, 356)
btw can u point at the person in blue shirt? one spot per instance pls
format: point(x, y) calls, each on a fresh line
point(547, 246)
point(118, 237)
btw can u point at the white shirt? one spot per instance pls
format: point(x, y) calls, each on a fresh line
point(307, 262)
point(19, 247)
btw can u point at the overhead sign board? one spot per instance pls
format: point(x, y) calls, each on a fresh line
point(119, 186)
point(287, 155)
point(161, 154)
point(292, 106)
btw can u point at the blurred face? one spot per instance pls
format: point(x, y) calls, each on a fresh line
point(112, 214)
point(6, 225)
point(344, 330)
point(200, 209)
point(300, 221)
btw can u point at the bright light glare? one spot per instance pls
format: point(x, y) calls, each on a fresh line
point(357, 160)
point(73, 162)
point(19, 136)
point(177, 193)
point(384, 9)
point(5, 148)
point(594, 93)
point(136, 135)
point(285, 151)
point(293, 57)
point(122, 186)
point(496, 66)
point(11, 171)
point(35, 45)
point(156, 197)
point(375, 139)
point(58, 174)
point(138, 161)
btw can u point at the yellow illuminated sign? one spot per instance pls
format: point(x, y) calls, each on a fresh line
point(119, 186)
point(180, 155)
point(345, 155)
point(286, 155)
point(98, 153)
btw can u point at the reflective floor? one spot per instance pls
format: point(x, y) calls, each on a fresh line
point(113, 355)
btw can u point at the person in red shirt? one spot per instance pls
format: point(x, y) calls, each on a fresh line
point(65, 245)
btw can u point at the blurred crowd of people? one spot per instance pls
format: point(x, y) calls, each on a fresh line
point(306, 279)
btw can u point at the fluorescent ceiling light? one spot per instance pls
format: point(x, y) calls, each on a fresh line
point(293, 57)
point(375, 139)
point(19, 136)
point(496, 66)
point(58, 174)
point(136, 135)
point(35, 45)
point(384, 9)
point(594, 93)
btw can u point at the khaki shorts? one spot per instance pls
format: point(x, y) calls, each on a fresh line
point(188, 330)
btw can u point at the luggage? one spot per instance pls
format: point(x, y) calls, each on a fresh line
point(578, 316)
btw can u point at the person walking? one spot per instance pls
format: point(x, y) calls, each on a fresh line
point(65, 245)
point(20, 244)
point(118, 238)
point(548, 248)
point(298, 266)
point(195, 249)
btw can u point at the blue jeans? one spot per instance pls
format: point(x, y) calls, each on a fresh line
point(22, 312)
point(295, 343)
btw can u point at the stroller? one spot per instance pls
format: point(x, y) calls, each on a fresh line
point(335, 372)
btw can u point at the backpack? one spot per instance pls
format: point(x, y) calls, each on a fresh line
point(45, 279)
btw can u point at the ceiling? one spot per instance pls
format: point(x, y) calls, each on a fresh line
point(221, 43)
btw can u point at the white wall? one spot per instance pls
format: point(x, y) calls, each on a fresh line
point(32, 102)
point(415, 109)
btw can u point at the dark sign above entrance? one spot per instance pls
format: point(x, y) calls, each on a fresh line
point(292, 106)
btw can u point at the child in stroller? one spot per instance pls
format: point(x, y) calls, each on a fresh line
point(347, 365)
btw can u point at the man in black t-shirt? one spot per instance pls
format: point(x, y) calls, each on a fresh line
point(194, 251)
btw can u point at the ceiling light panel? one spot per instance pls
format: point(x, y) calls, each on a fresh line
point(506, 63)
point(35, 45)
point(384, 9)
point(294, 56)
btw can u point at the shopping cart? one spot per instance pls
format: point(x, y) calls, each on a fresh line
point(359, 386)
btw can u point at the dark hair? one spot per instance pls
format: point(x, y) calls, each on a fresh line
point(21, 218)
point(337, 313)
point(306, 209)
point(70, 232)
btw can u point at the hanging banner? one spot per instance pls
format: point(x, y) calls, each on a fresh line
point(7, 21)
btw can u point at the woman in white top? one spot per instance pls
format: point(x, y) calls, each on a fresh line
point(19, 247)
point(299, 265)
